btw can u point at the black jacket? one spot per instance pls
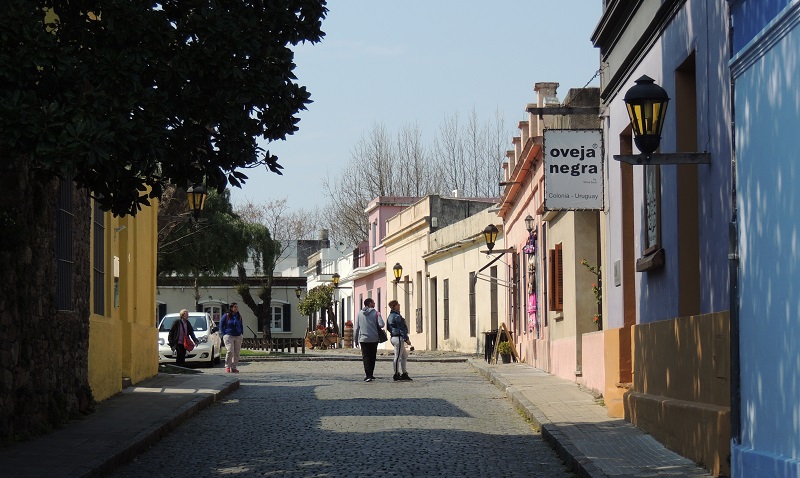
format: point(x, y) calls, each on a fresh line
point(174, 332)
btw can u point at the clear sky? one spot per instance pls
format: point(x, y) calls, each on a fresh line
point(419, 62)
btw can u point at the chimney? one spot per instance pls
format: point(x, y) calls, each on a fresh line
point(524, 131)
point(511, 164)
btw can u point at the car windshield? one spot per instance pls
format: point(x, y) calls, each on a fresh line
point(199, 323)
point(167, 323)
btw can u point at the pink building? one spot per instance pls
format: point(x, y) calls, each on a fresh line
point(369, 263)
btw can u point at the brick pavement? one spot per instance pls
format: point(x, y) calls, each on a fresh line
point(569, 418)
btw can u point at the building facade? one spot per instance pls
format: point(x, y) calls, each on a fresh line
point(765, 71)
point(666, 295)
point(438, 270)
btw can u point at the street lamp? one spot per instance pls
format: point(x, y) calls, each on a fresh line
point(529, 223)
point(398, 272)
point(335, 278)
point(298, 291)
point(197, 195)
point(490, 236)
point(647, 106)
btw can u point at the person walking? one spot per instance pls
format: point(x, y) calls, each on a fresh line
point(398, 329)
point(365, 333)
point(232, 328)
point(178, 332)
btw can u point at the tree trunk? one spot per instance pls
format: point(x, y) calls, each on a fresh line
point(262, 313)
point(332, 314)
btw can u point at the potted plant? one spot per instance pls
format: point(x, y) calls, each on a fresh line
point(505, 351)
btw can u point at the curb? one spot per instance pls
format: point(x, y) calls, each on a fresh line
point(151, 436)
point(563, 446)
point(354, 358)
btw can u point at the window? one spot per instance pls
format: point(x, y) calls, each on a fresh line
point(556, 278)
point(64, 259)
point(446, 304)
point(418, 316)
point(281, 318)
point(99, 271)
point(472, 319)
point(493, 298)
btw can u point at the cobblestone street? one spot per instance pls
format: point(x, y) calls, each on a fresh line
point(318, 418)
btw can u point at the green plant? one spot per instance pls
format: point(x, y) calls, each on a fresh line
point(597, 290)
point(504, 348)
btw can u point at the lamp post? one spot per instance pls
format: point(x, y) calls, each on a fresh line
point(298, 291)
point(490, 236)
point(335, 278)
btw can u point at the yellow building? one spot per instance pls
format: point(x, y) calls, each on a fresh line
point(122, 334)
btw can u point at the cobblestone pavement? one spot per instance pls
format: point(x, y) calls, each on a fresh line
point(314, 419)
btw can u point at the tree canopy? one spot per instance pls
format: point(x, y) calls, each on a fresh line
point(211, 247)
point(125, 97)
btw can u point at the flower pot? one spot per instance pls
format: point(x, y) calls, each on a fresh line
point(506, 358)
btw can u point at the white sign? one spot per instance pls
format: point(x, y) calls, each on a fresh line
point(573, 169)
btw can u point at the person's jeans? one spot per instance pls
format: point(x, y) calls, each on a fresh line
point(400, 354)
point(233, 347)
point(369, 352)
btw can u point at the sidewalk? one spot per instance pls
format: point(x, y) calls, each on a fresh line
point(580, 430)
point(120, 428)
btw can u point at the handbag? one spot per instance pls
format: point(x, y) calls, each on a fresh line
point(382, 335)
point(188, 344)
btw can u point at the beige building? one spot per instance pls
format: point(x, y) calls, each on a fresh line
point(436, 242)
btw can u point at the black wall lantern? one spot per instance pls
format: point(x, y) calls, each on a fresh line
point(490, 236)
point(398, 272)
point(197, 195)
point(647, 107)
point(298, 291)
point(335, 278)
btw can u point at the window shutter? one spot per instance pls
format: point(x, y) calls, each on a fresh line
point(559, 276)
point(551, 279)
point(287, 318)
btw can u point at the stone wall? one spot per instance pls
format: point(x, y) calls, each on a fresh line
point(43, 354)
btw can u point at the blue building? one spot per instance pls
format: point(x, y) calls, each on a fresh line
point(765, 68)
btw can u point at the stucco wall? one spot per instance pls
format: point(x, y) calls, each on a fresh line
point(123, 341)
point(459, 247)
point(767, 105)
point(593, 370)
point(681, 386)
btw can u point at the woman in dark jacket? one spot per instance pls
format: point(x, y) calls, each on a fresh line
point(180, 329)
point(399, 330)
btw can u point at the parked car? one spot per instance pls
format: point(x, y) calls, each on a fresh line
point(207, 352)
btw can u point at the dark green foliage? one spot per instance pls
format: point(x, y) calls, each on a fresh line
point(127, 96)
point(213, 245)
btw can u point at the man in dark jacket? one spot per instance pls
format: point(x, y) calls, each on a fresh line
point(232, 328)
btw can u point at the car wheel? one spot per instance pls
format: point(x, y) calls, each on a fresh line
point(210, 362)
